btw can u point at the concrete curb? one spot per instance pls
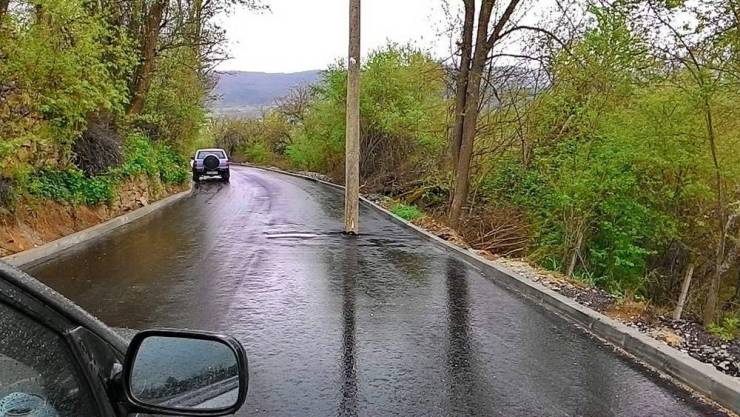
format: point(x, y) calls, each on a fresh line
point(684, 369)
point(42, 253)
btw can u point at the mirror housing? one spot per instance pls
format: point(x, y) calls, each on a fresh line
point(199, 373)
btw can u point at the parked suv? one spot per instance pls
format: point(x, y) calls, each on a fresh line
point(210, 162)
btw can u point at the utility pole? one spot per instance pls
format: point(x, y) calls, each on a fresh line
point(352, 143)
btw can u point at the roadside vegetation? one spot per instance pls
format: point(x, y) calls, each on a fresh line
point(606, 148)
point(97, 95)
point(406, 212)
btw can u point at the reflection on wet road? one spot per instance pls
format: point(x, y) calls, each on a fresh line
point(383, 324)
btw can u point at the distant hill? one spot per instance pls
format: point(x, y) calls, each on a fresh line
point(244, 92)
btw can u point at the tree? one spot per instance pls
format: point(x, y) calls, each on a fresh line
point(3, 10)
point(491, 29)
point(158, 26)
point(702, 54)
point(148, 39)
point(294, 105)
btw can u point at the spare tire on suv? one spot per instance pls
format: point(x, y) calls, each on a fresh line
point(211, 162)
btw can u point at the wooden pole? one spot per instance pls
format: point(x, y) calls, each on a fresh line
point(352, 144)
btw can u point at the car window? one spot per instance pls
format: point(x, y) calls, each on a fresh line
point(37, 375)
point(217, 154)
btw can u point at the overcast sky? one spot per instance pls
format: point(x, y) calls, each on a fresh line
point(299, 35)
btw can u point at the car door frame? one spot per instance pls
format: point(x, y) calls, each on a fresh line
point(90, 342)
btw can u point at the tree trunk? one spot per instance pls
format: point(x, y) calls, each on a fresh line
point(526, 152)
point(684, 291)
point(3, 10)
point(145, 71)
point(461, 89)
point(470, 118)
point(483, 45)
point(710, 308)
point(462, 173)
point(574, 256)
point(196, 18)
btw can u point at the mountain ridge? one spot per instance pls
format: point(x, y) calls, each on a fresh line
point(246, 92)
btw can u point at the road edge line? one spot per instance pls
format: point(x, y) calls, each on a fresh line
point(699, 376)
point(49, 250)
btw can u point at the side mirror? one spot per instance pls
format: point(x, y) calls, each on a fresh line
point(185, 373)
point(192, 158)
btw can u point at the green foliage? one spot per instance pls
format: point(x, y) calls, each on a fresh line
point(407, 212)
point(310, 153)
point(403, 125)
point(65, 61)
point(257, 153)
point(727, 330)
point(622, 161)
point(58, 69)
point(152, 159)
point(155, 161)
point(174, 111)
point(71, 185)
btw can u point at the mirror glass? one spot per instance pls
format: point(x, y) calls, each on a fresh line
point(182, 373)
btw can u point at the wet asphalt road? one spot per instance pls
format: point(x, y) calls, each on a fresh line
point(380, 325)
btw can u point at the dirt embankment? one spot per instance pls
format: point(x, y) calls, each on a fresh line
point(33, 223)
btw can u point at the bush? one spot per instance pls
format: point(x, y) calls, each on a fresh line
point(257, 153)
point(172, 166)
point(72, 186)
point(726, 331)
point(154, 160)
point(407, 212)
point(99, 148)
point(56, 71)
point(142, 157)
point(313, 155)
point(403, 124)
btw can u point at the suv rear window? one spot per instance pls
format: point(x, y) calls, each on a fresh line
point(217, 154)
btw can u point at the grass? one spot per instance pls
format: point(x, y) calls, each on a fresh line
point(407, 212)
point(727, 330)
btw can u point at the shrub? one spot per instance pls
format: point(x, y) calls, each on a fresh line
point(403, 124)
point(257, 153)
point(72, 186)
point(407, 212)
point(99, 148)
point(56, 71)
point(139, 158)
point(172, 166)
point(727, 330)
point(142, 157)
point(310, 154)
point(154, 160)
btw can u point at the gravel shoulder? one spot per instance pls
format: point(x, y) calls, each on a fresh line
point(685, 335)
